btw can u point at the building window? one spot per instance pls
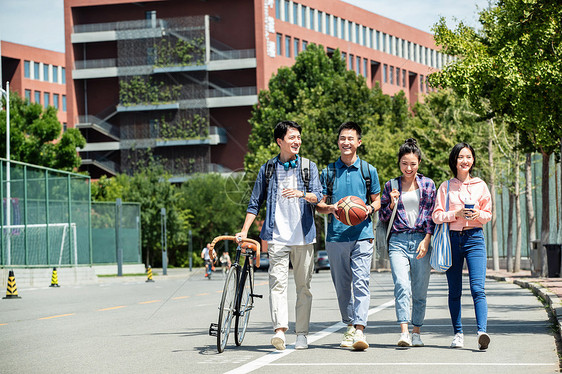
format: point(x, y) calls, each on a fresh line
point(377, 40)
point(26, 69)
point(416, 53)
point(384, 73)
point(365, 67)
point(391, 44)
point(56, 101)
point(63, 75)
point(64, 103)
point(46, 99)
point(392, 75)
point(304, 44)
point(303, 16)
point(279, 44)
point(28, 95)
point(357, 34)
point(328, 25)
point(320, 19)
point(358, 64)
point(421, 83)
point(55, 74)
point(335, 31)
point(36, 70)
point(295, 46)
point(64, 126)
point(364, 30)
point(287, 8)
point(403, 78)
point(296, 14)
point(350, 63)
point(342, 29)
point(311, 19)
point(398, 76)
point(37, 97)
point(383, 42)
point(46, 72)
point(349, 31)
point(277, 9)
point(287, 46)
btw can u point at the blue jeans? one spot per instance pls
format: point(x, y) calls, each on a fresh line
point(350, 266)
point(469, 245)
point(410, 275)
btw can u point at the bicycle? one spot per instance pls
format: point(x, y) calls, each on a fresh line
point(238, 292)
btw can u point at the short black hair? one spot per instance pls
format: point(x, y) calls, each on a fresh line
point(409, 146)
point(350, 125)
point(455, 154)
point(282, 127)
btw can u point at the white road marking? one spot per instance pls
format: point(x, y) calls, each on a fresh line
point(413, 364)
point(276, 355)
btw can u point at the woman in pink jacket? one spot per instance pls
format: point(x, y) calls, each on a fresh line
point(469, 208)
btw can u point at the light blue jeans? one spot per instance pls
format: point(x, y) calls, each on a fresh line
point(410, 275)
point(350, 266)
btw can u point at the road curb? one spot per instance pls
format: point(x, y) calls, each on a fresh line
point(552, 300)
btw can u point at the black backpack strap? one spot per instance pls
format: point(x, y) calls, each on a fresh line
point(330, 178)
point(367, 178)
point(305, 172)
point(269, 170)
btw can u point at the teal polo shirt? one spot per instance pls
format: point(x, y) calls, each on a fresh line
point(349, 181)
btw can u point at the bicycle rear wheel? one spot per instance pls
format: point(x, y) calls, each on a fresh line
point(226, 309)
point(245, 302)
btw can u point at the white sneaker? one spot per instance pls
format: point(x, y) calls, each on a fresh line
point(301, 342)
point(458, 340)
point(405, 340)
point(359, 341)
point(347, 340)
point(278, 340)
point(416, 340)
point(483, 340)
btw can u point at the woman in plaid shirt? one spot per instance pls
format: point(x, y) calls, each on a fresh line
point(410, 237)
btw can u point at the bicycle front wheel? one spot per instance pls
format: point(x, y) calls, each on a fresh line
point(245, 302)
point(226, 309)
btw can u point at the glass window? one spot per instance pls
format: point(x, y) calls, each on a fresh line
point(365, 67)
point(64, 103)
point(398, 76)
point(358, 65)
point(397, 48)
point(320, 19)
point(403, 78)
point(350, 63)
point(56, 101)
point(277, 9)
point(303, 16)
point(335, 32)
point(421, 83)
point(377, 41)
point(46, 72)
point(46, 99)
point(392, 75)
point(391, 44)
point(55, 74)
point(416, 52)
point(63, 75)
point(304, 44)
point(279, 44)
point(343, 56)
point(296, 14)
point(295, 46)
point(364, 31)
point(311, 18)
point(383, 42)
point(287, 7)
point(357, 34)
point(38, 97)
point(370, 36)
point(287, 46)
point(36, 70)
point(26, 69)
point(349, 31)
point(342, 29)
point(28, 95)
point(328, 25)
point(385, 73)
point(64, 126)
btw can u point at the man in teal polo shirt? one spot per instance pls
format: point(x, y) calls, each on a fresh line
point(350, 248)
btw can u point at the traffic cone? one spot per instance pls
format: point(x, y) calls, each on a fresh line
point(54, 279)
point(149, 270)
point(12, 290)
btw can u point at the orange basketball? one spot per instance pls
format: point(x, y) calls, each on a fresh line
point(351, 210)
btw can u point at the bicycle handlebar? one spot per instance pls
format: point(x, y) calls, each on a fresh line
point(245, 243)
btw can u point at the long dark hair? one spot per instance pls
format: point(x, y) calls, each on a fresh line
point(455, 154)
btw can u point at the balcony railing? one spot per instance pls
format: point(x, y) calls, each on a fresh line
point(236, 54)
point(235, 91)
point(96, 64)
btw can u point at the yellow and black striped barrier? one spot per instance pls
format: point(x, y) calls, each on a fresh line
point(149, 270)
point(54, 279)
point(12, 290)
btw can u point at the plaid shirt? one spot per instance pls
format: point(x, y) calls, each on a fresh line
point(424, 223)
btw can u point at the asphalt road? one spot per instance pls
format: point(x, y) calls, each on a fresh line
point(130, 326)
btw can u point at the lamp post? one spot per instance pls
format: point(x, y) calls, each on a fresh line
point(8, 192)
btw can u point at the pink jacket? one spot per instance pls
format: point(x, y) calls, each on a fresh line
point(475, 189)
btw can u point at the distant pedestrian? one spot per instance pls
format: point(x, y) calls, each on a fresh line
point(410, 238)
point(470, 207)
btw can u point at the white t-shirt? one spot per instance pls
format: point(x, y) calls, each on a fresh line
point(288, 216)
point(411, 201)
point(205, 253)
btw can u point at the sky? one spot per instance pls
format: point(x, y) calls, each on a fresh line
point(40, 23)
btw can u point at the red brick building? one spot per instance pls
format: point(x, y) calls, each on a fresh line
point(175, 80)
point(36, 74)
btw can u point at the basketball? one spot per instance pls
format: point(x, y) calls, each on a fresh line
point(351, 210)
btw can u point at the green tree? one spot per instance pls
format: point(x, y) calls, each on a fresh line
point(319, 93)
point(35, 136)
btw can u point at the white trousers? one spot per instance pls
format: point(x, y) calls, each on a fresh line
point(303, 264)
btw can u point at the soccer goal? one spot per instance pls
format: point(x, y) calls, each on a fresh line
point(40, 244)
